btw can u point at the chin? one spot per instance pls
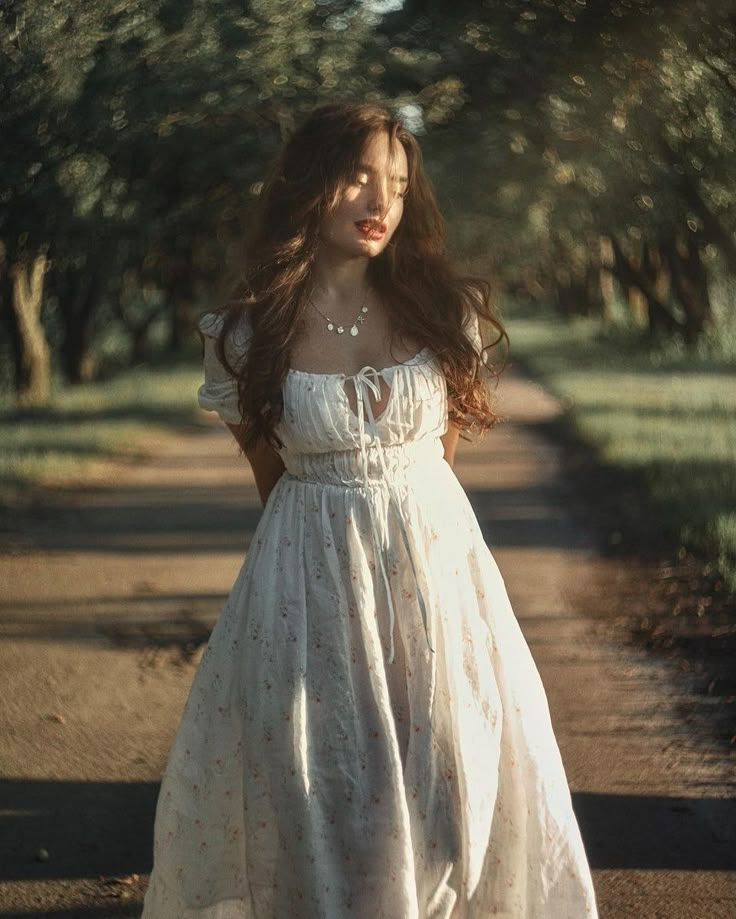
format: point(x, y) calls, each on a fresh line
point(373, 247)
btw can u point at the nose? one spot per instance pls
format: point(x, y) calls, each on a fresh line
point(379, 200)
point(378, 212)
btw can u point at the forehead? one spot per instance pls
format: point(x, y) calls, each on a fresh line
point(380, 155)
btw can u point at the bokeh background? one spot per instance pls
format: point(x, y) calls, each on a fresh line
point(582, 152)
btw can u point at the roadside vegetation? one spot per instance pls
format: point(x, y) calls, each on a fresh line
point(55, 445)
point(660, 414)
point(582, 155)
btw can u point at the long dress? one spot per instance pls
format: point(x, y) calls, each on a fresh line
point(367, 734)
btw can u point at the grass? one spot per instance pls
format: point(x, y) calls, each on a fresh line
point(661, 416)
point(83, 423)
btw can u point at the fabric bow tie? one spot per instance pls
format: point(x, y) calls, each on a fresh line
point(368, 379)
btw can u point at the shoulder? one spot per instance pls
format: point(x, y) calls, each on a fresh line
point(210, 324)
point(238, 335)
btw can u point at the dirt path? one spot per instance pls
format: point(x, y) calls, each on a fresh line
point(106, 602)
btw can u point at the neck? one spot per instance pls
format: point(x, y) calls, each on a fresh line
point(339, 278)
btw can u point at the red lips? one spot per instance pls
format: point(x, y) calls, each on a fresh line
point(372, 228)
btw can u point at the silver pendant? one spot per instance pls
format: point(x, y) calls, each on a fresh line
point(354, 327)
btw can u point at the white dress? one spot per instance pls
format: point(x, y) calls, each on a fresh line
point(367, 734)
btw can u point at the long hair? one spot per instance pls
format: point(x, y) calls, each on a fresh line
point(428, 300)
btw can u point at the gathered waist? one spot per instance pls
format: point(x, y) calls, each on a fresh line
point(389, 467)
point(371, 465)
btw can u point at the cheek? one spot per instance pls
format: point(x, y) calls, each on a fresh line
point(327, 227)
point(349, 204)
point(397, 212)
point(348, 212)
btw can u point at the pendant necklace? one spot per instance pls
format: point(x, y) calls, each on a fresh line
point(336, 327)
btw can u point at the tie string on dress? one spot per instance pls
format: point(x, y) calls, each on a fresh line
point(368, 380)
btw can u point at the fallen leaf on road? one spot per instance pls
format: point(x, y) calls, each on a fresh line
point(127, 880)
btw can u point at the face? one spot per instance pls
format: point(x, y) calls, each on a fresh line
point(371, 209)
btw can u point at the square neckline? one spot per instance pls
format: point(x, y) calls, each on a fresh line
point(409, 362)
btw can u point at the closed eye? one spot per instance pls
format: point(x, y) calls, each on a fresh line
point(362, 179)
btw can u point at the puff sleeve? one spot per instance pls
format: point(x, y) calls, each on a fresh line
point(219, 391)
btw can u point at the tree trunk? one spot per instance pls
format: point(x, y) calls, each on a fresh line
point(35, 386)
point(8, 320)
point(655, 270)
point(177, 279)
point(690, 281)
point(637, 305)
point(651, 280)
point(138, 339)
point(77, 306)
point(571, 289)
point(594, 304)
point(563, 297)
point(605, 279)
point(713, 228)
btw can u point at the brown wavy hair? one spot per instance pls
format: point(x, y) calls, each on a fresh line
point(428, 300)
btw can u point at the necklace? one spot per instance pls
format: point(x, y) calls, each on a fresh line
point(336, 327)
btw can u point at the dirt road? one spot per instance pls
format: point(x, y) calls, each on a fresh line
point(106, 601)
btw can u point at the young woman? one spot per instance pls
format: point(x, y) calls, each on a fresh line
point(367, 734)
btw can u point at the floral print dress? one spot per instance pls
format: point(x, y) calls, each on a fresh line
point(367, 734)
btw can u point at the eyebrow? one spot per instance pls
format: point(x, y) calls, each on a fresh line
point(365, 168)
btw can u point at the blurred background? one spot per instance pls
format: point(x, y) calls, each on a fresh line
point(582, 152)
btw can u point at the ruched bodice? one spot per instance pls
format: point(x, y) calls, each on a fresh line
point(317, 416)
point(367, 734)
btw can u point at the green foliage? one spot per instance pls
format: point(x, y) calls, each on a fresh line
point(135, 139)
point(136, 136)
point(578, 119)
point(90, 422)
point(657, 412)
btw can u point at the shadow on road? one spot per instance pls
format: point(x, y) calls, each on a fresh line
point(656, 832)
point(88, 828)
point(104, 829)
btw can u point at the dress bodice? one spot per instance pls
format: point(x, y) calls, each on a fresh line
point(318, 420)
point(325, 441)
point(322, 435)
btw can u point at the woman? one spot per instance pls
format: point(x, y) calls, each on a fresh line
point(367, 734)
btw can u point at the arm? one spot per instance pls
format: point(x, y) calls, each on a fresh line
point(449, 442)
point(265, 462)
point(219, 393)
point(450, 438)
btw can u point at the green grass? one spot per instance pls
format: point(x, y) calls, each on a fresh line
point(663, 416)
point(92, 421)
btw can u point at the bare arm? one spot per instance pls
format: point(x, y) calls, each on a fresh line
point(265, 462)
point(449, 442)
